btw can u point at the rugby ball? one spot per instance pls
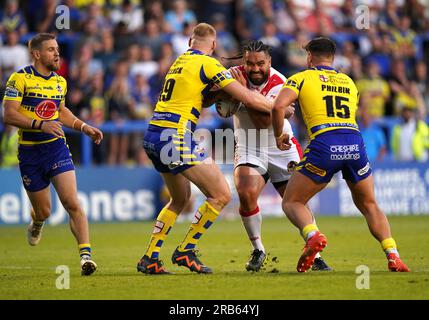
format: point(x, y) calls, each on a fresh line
point(226, 108)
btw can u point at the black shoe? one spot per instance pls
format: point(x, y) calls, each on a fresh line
point(257, 260)
point(151, 266)
point(189, 260)
point(320, 265)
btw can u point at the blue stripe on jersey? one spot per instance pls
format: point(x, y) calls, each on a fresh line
point(36, 136)
point(34, 101)
point(28, 69)
point(166, 116)
point(324, 68)
point(195, 113)
point(332, 125)
point(40, 75)
point(203, 76)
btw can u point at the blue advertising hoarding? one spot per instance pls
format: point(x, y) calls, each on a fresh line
point(133, 194)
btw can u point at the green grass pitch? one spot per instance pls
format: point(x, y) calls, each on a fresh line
point(29, 272)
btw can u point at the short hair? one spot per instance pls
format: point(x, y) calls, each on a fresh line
point(203, 30)
point(321, 46)
point(36, 42)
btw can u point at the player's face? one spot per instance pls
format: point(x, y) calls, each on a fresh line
point(257, 66)
point(50, 55)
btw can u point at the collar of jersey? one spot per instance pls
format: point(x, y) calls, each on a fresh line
point(194, 51)
point(320, 67)
point(40, 75)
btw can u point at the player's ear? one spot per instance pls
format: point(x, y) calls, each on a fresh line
point(189, 42)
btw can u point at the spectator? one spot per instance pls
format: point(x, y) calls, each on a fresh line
point(152, 37)
point(226, 43)
point(120, 106)
point(404, 38)
point(129, 14)
point(9, 147)
point(13, 55)
point(179, 15)
point(373, 136)
point(145, 66)
point(12, 19)
point(180, 41)
point(410, 139)
point(140, 93)
point(375, 88)
point(106, 54)
point(319, 22)
point(96, 112)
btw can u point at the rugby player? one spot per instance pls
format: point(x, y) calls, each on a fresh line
point(328, 100)
point(170, 145)
point(260, 160)
point(34, 102)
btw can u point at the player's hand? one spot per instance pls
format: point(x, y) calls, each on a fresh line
point(283, 142)
point(53, 127)
point(238, 75)
point(290, 111)
point(94, 133)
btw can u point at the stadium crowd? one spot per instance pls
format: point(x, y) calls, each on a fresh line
point(116, 53)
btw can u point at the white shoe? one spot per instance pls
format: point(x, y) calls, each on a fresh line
point(34, 234)
point(87, 265)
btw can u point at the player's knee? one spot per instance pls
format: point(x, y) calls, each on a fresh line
point(178, 204)
point(42, 213)
point(71, 205)
point(369, 207)
point(222, 198)
point(248, 196)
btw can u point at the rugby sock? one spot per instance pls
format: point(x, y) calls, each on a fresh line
point(308, 231)
point(84, 249)
point(203, 219)
point(389, 246)
point(318, 254)
point(252, 222)
point(164, 223)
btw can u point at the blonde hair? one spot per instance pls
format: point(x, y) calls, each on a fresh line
point(203, 31)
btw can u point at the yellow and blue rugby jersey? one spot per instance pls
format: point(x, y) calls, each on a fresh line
point(186, 84)
point(328, 99)
point(40, 97)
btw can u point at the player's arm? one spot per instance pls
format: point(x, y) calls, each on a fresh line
point(13, 117)
point(212, 97)
point(68, 119)
point(221, 77)
point(251, 99)
point(281, 109)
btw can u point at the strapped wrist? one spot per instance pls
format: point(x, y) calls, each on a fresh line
point(82, 126)
point(74, 122)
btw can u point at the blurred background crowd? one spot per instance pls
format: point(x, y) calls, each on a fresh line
point(116, 53)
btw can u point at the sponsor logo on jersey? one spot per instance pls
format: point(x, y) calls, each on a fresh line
point(46, 109)
point(323, 78)
point(11, 92)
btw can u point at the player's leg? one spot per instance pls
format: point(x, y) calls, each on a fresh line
point(210, 180)
point(249, 184)
point(299, 190)
point(66, 188)
point(364, 199)
point(40, 211)
point(180, 191)
point(319, 263)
